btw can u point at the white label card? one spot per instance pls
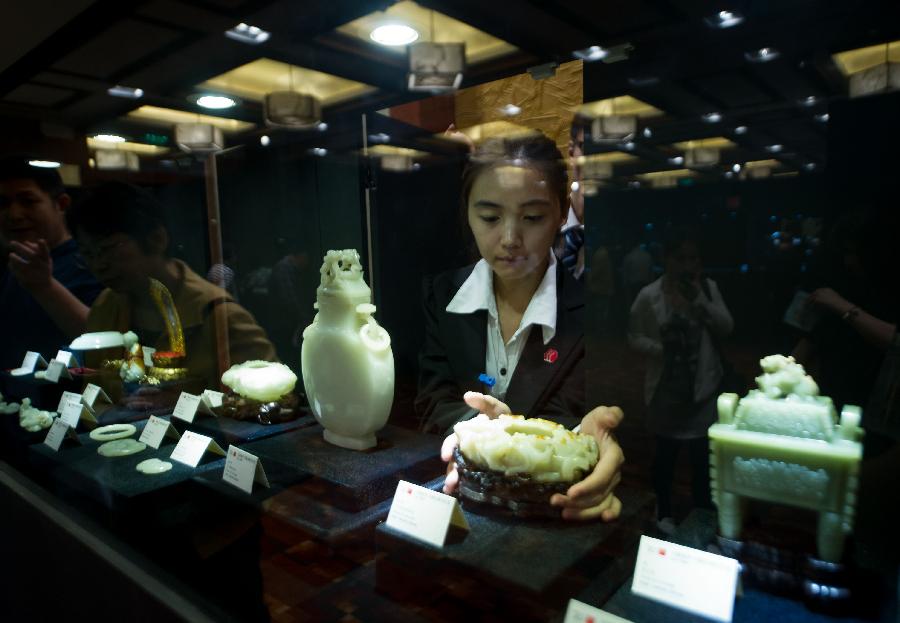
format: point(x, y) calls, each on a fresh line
point(186, 408)
point(156, 430)
point(212, 399)
point(580, 612)
point(65, 357)
point(29, 362)
point(192, 446)
point(148, 355)
point(59, 430)
point(57, 370)
point(242, 469)
point(686, 578)
point(424, 514)
point(71, 413)
point(65, 399)
point(92, 393)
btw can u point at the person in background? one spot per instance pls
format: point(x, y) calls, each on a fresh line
point(223, 273)
point(516, 315)
point(121, 236)
point(46, 290)
point(676, 322)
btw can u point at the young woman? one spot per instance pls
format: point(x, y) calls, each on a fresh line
point(505, 334)
point(675, 321)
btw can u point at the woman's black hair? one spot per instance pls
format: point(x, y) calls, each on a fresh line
point(532, 150)
point(116, 207)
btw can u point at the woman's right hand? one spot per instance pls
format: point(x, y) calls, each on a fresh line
point(483, 403)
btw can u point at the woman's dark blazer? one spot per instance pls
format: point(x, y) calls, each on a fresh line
point(455, 349)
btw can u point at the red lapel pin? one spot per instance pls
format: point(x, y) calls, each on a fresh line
point(551, 355)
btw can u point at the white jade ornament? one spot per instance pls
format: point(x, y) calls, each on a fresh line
point(346, 359)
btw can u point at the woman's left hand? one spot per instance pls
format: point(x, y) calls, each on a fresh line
point(829, 299)
point(593, 497)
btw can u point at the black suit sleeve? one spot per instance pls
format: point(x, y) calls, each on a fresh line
point(565, 403)
point(439, 403)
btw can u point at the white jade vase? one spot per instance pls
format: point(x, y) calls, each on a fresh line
point(346, 359)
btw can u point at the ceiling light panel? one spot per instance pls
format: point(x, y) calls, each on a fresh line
point(95, 143)
point(254, 80)
point(480, 46)
point(623, 105)
point(168, 116)
point(717, 142)
point(860, 59)
point(245, 33)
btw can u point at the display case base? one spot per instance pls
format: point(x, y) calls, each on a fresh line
point(515, 569)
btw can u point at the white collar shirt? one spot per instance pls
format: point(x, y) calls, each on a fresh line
point(477, 293)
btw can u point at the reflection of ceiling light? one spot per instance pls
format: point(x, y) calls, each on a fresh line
point(264, 140)
point(120, 91)
point(729, 174)
point(593, 53)
point(575, 187)
point(634, 184)
point(712, 117)
point(45, 164)
point(379, 138)
point(736, 168)
point(109, 138)
point(676, 160)
point(322, 126)
point(247, 34)
point(810, 166)
point(629, 145)
point(812, 100)
point(394, 34)
point(318, 151)
point(741, 129)
point(762, 55)
point(725, 19)
point(774, 148)
point(215, 102)
point(435, 67)
point(648, 133)
point(511, 110)
point(822, 118)
point(416, 166)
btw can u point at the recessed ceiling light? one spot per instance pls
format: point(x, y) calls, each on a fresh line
point(741, 129)
point(264, 140)
point(593, 53)
point(247, 34)
point(677, 160)
point(394, 34)
point(725, 19)
point(109, 138)
point(381, 137)
point(575, 186)
point(648, 133)
point(774, 148)
point(629, 145)
point(822, 118)
point(634, 184)
point(120, 91)
point(729, 174)
point(45, 164)
point(322, 126)
point(319, 151)
point(215, 102)
point(810, 166)
point(511, 110)
point(712, 117)
point(736, 168)
point(416, 166)
point(812, 100)
point(762, 55)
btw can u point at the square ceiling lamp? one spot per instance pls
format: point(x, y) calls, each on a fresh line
point(116, 160)
point(291, 110)
point(613, 128)
point(198, 138)
point(593, 169)
point(435, 67)
point(699, 157)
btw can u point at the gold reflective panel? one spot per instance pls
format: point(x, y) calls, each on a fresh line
point(717, 142)
point(622, 105)
point(860, 59)
point(431, 26)
point(169, 116)
point(253, 80)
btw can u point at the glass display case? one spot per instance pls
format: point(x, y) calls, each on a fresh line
point(457, 342)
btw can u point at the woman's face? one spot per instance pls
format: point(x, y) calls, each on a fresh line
point(515, 218)
point(684, 263)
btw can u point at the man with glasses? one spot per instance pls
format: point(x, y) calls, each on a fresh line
point(46, 290)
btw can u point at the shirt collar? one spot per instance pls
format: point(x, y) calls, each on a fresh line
point(477, 293)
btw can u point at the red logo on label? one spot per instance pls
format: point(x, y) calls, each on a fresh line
point(662, 552)
point(589, 619)
point(551, 355)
